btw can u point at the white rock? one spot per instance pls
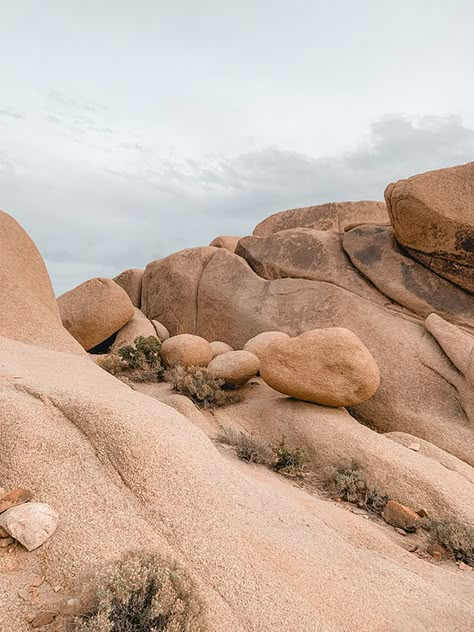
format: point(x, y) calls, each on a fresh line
point(31, 523)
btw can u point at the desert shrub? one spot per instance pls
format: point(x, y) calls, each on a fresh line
point(145, 353)
point(248, 448)
point(111, 363)
point(350, 483)
point(141, 592)
point(198, 384)
point(457, 538)
point(289, 460)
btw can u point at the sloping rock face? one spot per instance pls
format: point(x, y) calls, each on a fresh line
point(374, 251)
point(131, 281)
point(335, 217)
point(94, 311)
point(138, 326)
point(30, 312)
point(433, 214)
point(304, 253)
point(420, 392)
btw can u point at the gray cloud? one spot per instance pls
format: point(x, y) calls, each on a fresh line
point(91, 220)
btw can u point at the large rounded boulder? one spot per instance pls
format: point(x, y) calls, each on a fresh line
point(131, 281)
point(433, 216)
point(95, 310)
point(186, 350)
point(234, 367)
point(138, 326)
point(218, 348)
point(328, 366)
point(258, 344)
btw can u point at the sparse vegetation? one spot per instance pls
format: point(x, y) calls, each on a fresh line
point(199, 385)
point(141, 592)
point(249, 448)
point(287, 460)
point(350, 483)
point(457, 538)
point(280, 458)
point(140, 362)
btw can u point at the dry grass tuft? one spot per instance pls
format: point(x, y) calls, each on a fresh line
point(140, 362)
point(290, 461)
point(350, 483)
point(456, 538)
point(199, 385)
point(248, 448)
point(141, 592)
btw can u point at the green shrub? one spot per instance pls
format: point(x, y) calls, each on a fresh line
point(198, 384)
point(248, 448)
point(349, 483)
point(287, 460)
point(456, 538)
point(141, 592)
point(145, 353)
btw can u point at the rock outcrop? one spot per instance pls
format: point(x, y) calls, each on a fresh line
point(94, 311)
point(433, 215)
point(326, 366)
point(334, 216)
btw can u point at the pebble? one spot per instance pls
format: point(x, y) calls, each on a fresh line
point(414, 446)
point(42, 619)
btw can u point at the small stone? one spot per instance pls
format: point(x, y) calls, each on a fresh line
point(31, 524)
point(400, 516)
point(24, 594)
point(42, 619)
point(422, 513)
point(14, 498)
point(437, 551)
point(414, 446)
point(400, 531)
point(37, 580)
point(29, 617)
point(4, 542)
point(57, 588)
point(464, 567)
point(359, 512)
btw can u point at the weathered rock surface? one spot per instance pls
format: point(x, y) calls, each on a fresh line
point(218, 348)
point(456, 344)
point(15, 497)
point(138, 326)
point(421, 393)
point(374, 251)
point(161, 331)
point(170, 288)
point(259, 343)
point(304, 253)
point(328, 366)
point(433, 213)
point(400, 516)
point(95, 310)
point(186, 350)
point(31, 524)
point(229, 242)
point(334, 216)
point(24, 282)
point(234, 367)
point(131, 281)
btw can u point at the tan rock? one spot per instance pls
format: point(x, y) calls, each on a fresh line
point(95, 310)
point(335, 217)
point(235, 367)
point(455, 343)
point(325, 366)
point(169, 289)
point(131, 282)
point(303, 253)
point(31, 524)
point(24, 282)
point(43, 619)
point(4, 542)
point(229, 242)
point(186, 350)
point(138, 326)
point(161, 331)
point(218, 348)
point(258, 344)
point(432, 213)
point(16, 497)
point(374, 251)
point(400, 516)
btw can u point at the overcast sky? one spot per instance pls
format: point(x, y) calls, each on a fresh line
point(132, 129)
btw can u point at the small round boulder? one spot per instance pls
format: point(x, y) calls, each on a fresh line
point(186, 350)
point(331, 367)
point(234, 367)
point(258, 344)
point(218, 348)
